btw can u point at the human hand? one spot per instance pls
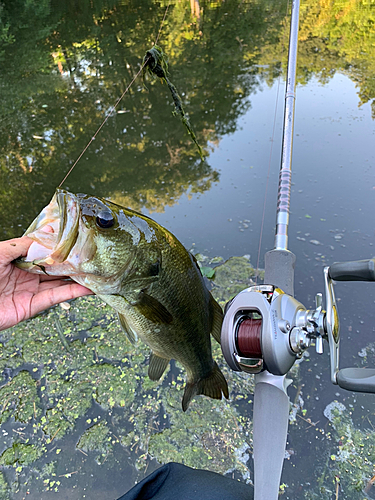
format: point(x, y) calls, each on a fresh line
point(22, 294)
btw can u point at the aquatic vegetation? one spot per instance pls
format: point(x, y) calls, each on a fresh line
point(216, 447)
point(231, 277)
point(4, 489)
point(19, 399)
point(155, 63)
point(94, 380)
point(56, 385)
point(95, 396)
point(348, 458)
point(21, 454)
point(95, 439)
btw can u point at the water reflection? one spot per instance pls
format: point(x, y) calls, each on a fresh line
point(60, 88)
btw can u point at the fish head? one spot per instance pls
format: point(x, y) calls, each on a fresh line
point(87, 238)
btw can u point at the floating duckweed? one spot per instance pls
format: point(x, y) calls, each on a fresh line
point(95, 439)
point(110, 389)
point(19, 399)
point(102, 382)
point(209, 435)
point(21, 454)
point(231, 277)
point(4, 488)
point(355, 452)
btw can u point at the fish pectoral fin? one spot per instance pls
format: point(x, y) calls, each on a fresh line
point(152, 309)
point(213, 386)
point(157, 366)
point(119, 303)
point(127, 329)
point(217, 320)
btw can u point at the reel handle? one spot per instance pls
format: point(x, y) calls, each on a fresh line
point(357, 379)
point(357, 270)
point(352, 379)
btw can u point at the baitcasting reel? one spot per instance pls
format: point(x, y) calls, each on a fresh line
point(267, 329)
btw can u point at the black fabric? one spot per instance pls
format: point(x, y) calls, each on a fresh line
point(177, 482)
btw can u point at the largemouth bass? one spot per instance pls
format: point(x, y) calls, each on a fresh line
point(142, 271)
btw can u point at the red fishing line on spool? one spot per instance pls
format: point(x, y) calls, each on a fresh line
point(248, 337)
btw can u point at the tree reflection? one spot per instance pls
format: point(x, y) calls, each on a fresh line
point(65, 65)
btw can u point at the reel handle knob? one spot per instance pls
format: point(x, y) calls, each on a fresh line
point(357, 270)
point(357, 379)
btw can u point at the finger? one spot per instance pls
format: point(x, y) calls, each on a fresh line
point(52, 296)
point(48, 284)
point(63, 279)
point(14, 248)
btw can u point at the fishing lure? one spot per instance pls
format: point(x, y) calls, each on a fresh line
point(155, 64)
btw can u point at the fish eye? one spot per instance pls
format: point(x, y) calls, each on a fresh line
point(105, 220)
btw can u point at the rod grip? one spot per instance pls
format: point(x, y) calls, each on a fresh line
point(357, 270)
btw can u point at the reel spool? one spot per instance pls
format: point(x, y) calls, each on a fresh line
point(248, 335)
point(255, 335)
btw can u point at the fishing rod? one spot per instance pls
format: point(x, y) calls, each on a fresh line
point(265, 329)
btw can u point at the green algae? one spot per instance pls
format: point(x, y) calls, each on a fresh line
point(353, 456)
point(112, 386)
point(67, 403)
point(77, 361)
point(95, 439)
point(95, 390)
point(189, 440)
point(231, 277)
point(19, 399)
point(21, 454)
point(4, 488)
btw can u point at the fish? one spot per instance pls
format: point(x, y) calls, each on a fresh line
point(140, 269)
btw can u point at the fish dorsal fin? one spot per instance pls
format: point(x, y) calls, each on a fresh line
point(157, 366)
point(152, 309)
point(214, 385)
point(127, 329)
point(217, 319)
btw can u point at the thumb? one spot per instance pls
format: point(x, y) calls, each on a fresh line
point(14, 248)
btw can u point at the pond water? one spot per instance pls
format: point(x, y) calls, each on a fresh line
point(63, 66)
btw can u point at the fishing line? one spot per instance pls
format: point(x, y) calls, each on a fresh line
point(116, 104)
point(101, 126)
point(248, 334)
point(162, 22)
point(270, 157)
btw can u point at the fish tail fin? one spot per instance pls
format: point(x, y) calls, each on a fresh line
point(213, 386)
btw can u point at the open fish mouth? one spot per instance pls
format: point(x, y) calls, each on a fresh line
point(54, 232)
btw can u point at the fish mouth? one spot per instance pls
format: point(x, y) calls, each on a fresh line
point(54, 233)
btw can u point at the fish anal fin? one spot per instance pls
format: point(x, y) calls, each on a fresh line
point(152, 309)
point(127, 329)
point(157, 366)
point(213, 386)
point(217, 319)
